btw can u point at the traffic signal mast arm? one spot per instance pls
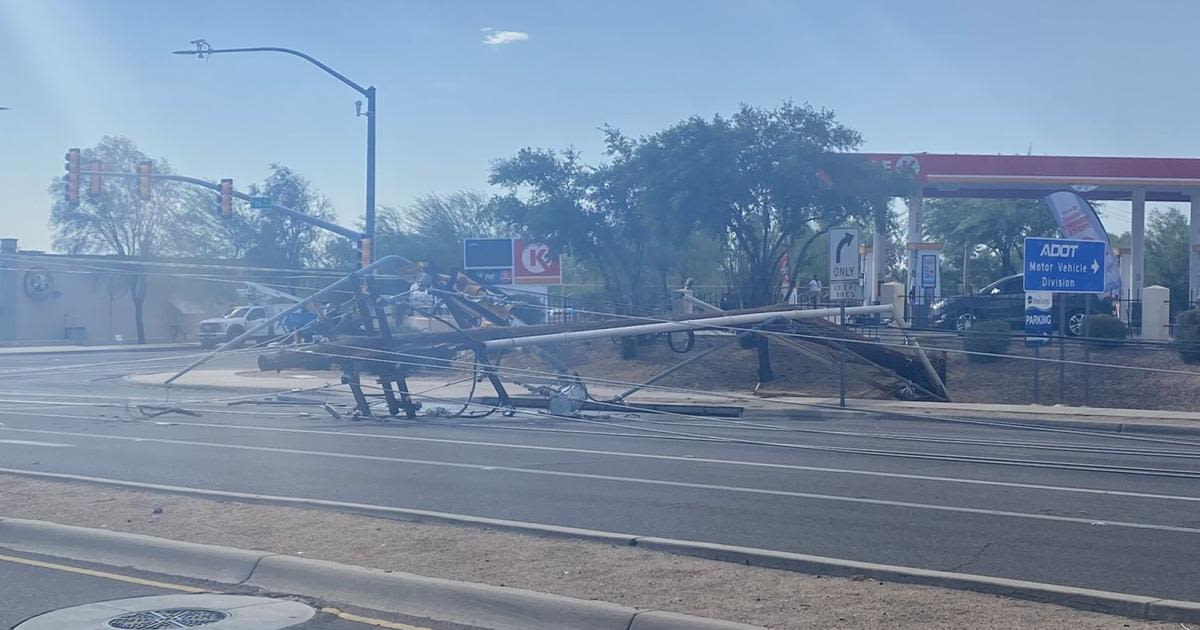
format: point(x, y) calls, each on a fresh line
point(276, 208)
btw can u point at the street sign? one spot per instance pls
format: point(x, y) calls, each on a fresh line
point(534, 263)
point(487, 253)
point(506, 261)
point(1063, 265)
point(843, 255)
point(499, 275)
point(929, 270)
point(1039, 320)
point(845, 291)
point(845, 268)
point(260, 203)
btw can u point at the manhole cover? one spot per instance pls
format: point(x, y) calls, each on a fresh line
point(167, 618)
point(204, 611)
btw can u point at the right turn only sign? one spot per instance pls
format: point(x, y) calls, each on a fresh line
point(845, 270)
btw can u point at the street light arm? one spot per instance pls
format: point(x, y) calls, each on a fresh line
point(339, 76)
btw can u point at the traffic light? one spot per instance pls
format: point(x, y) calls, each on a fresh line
point(143, 173)
point(226, 198)
point(95, 181)
point(364, 247)
point(71, 179)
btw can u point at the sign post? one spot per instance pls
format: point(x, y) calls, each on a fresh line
point(1061, 265)
point(845, 266)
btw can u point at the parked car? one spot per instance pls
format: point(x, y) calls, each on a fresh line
point(1004, 299)
point(217, 330)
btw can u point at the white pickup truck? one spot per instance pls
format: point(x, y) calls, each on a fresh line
point(217, 330)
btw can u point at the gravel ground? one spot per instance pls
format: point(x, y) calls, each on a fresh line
point(624, 575)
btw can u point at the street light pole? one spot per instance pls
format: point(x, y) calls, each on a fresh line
point(366, 243)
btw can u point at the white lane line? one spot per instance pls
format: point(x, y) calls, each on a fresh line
point(642, 481)
point(31, 443)
point(689, 459)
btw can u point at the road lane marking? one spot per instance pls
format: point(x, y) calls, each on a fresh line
point(391, 625)
point(691, 459)
point(32, 443)
point(940, 457)
point(666, 483)
point(103, 574)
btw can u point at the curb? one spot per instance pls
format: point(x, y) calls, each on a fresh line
point(496, 607)
point(1124, 604)
point(93, 545)
point(1089, 425)
point(16, 351)
point(147, 553)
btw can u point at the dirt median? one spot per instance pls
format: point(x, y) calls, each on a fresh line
point(586, 570)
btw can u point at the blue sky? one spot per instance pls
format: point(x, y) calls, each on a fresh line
point(1062, 77)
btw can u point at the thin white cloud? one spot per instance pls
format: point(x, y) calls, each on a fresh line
point(493, 37)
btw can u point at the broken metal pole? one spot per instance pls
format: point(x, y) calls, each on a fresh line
point(329, 290)
point(663, 374)
point(933, 375)
point(687, 324)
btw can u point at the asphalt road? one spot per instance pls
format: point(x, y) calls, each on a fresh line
point(1109, 512)
point(49, 584)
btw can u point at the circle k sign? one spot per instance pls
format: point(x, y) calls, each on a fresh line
point(535, 264)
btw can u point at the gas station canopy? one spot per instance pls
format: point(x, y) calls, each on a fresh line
point(1035, 176)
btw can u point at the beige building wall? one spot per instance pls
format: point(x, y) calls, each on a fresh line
point(44, 301)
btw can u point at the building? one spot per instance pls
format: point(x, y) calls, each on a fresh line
point(54, 299)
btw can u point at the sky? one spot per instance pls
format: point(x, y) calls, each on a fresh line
point(462, 84)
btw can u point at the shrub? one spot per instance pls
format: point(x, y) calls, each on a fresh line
point(1187, 335)
point(989, 336)
point(1104, 330)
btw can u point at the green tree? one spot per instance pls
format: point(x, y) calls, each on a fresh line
point(117, 222)
point(989, 233)
point(434, 226)
point(764, 181)
point(1167, 254)
point(592, 213)
point(266, 239)
point(432, 229)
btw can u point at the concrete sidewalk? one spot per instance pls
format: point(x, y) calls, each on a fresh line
point(1094, 418)
point(71, 349)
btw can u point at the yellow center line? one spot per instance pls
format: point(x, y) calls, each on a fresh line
point(103, 574)
point(391, 625)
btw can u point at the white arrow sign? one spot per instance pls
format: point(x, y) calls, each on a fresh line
point(1095, 266)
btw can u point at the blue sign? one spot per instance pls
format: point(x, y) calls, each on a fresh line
point(500, 275)
point(1039, 318)
point(1062, 265)
point(260, 203)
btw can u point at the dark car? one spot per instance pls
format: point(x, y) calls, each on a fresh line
point(1004, 300)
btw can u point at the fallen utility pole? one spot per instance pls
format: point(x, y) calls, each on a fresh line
point(327, 291)
point(676, 326)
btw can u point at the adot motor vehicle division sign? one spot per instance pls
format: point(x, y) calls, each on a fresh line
point(1062, 265)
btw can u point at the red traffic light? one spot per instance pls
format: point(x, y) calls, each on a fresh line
point(72, 177)
point(95, 181)
point(143, 173)
point(226, 198)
